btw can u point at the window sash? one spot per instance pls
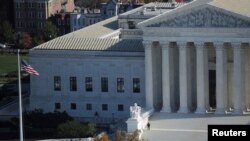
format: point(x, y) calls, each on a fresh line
point(73, 84)
point(57, 83)
point(88, 107)
point(88, 84)
point(104, 84)
point(136, 85)
point(120, 84)
point(104, 107)
point(120, 107)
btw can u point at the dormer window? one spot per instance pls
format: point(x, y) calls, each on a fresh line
point(131, 24)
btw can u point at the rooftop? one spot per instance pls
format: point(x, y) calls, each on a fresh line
point(152, 9)
point(96, 30)
point(93, 44)
point(241, 7)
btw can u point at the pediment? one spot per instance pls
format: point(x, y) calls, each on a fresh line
point(205, 16)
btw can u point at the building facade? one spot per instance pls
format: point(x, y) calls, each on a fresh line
point(84, 17)
point(30, 15)
point(6, 12)
point(185, 58)
point(62, 22)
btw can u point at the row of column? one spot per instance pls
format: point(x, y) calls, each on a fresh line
point(201, 76)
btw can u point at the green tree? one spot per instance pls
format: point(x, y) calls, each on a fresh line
point(50, 31)
point(74, 129)
point(37, 40)
point(7, 33)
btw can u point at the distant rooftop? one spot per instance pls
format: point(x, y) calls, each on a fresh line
point(96, 30)
point(150, 10)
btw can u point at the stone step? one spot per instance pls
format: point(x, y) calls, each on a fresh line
point(186, 127)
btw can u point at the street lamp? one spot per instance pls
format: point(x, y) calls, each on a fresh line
point(2, 45)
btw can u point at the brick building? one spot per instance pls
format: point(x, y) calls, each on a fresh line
point(30, 15)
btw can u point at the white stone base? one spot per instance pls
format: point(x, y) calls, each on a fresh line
point(237, 112)
point(200, 111)
point(132, 125)
point(166, 110)
point(220, 111)
point(183, 110)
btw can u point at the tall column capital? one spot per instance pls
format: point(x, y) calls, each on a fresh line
point(147, 44)
point(236, 45)
point(165, 44)
point(219, 46)
point(199, 45)
point(182, 45)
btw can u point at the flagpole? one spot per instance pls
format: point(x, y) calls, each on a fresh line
point(20, 97)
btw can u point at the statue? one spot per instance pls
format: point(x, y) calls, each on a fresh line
point(135, 111)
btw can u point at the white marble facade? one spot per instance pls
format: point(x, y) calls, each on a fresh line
point(195, 60)
point(183, 48)
point(185, 76)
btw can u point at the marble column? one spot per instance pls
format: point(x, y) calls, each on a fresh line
point(166, 86)
point(238, 91)
point(148, 74)
point(202, 77)
point(221, 78)
point(184, 78)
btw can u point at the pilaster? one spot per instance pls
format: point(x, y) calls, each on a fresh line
point(238, 91)
point(221, 78)
point(148, 74)
point(166, 86)
point(202, 77)
point(184, 89)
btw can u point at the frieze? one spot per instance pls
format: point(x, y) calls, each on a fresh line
point(208, 17)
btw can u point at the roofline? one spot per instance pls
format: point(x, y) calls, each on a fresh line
point(191, 4)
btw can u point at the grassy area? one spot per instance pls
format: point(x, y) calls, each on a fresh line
point(8, 63)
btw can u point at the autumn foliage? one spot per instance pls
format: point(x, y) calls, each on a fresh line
point(25, 40)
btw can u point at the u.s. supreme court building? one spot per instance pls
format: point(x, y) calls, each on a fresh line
point(171, 57)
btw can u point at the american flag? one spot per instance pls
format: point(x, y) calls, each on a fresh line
point(27, 68)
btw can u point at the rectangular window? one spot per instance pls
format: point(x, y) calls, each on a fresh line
point(29, 5)
point(74, 22)
point(73, 106)
point(88, 84)
point(33, 5)
point(57, 83)
point(120, 107)
point(58, 21)
point(88, 107)
point(120, 84)
point(131, 24)
point(83, 22)
point(136, 85)
point(57, 106)
point(73, 86)
point(67, 21)
point(104, 84)
point(79, 22)
point(104, 107)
